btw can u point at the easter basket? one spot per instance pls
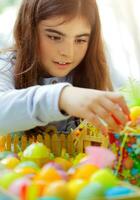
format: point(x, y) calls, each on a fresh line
point(126, 145)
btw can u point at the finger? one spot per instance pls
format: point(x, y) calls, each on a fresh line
point(92, 118)
point(105, 116)
point(119, 99)
point(115, 111)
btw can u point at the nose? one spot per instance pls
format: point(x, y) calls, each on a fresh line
point(67, 50)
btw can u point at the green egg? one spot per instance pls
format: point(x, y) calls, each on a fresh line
point(104, 177)
point(36, 150)
point(26, 164)
point(8, 178)
point(93, 191)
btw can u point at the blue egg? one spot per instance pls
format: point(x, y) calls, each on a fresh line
point(134, 171)
point(116, 135)
point(118, 191)
point(5, 154)
point(129, 150)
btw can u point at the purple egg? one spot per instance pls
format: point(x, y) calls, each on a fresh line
point(63, 174)
point(52, 165)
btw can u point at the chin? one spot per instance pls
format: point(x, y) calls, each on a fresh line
point(60, 74)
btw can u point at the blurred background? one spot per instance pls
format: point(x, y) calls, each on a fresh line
point(121, 33)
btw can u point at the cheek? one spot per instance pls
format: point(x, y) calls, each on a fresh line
point(45, 46)
point(47, 52)
point(81, 52)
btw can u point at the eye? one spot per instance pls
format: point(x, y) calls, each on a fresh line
point(80, 41)
point(52, 37)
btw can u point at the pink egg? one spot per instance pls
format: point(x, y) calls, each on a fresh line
point(63, 174)
point(16, 186)
point(52, 164)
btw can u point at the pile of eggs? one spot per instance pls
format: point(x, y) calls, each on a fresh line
point(34, 175)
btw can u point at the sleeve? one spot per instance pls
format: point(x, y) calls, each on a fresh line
point(27, 108)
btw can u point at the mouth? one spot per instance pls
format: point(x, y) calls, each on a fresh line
point(62, 65)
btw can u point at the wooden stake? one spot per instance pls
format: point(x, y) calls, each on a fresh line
point(40, 138)
point(2, 143)
point(23, 142)
point(47, 140)
point(16, 143)
point(8, 142)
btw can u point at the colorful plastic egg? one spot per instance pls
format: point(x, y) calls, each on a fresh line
point(65, 164)
point(36, 152)
point(8, 178)
point(27, 164)
point(135, 113)
point(40, 184)
point(57, 189)
point(85, 171)
point(118, 191)
point(50, 198)
point(105, 177)
point(128, 163)
point(5, 154)
point(49, 175)
point(75, 186)
point(10, 162)
point(58, 168)
point(26, 170)
point(91, 191)
point(16, 185)
point(78, 158)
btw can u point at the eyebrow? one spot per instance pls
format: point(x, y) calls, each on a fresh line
point(62, 34)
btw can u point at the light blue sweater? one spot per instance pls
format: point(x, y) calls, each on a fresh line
point(24, 109)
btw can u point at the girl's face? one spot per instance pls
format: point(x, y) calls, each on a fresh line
point(62, 46)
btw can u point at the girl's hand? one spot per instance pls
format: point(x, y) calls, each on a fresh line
point(95, 106)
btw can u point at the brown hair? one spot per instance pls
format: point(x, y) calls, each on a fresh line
point(92, 72)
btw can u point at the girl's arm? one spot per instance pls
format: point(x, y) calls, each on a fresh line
point(95, 106)
point(27, 108)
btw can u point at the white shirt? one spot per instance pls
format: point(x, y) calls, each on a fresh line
point(24, 109)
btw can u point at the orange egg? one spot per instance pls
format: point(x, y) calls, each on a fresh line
point(48, 175)
point(128, 163)
point(40, 184)
point(85, 171)
point(26, 170)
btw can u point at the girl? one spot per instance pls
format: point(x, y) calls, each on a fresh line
point(57, 41)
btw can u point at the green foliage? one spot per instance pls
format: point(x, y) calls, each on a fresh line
point(131, 92)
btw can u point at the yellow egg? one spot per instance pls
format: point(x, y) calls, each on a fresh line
point(135, 113)
point(65, 164)
point(85, 171)
point(10, 162)
point(75, 186)
point(78, 158)
point(57, 189)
